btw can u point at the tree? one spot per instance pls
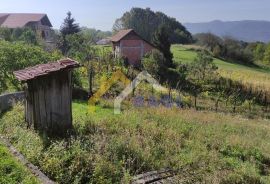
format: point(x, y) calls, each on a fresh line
point(237, 51)
point(259, 52)
point(202, 70)
point(208, 40)
point(203, 67)
point(69, 26)
point(145, 22)
point(16, 56)
point(82, 50)
point(161, 41)
point(153, 62)
point(266, 58)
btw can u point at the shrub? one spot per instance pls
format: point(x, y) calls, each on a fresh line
point(15, 56)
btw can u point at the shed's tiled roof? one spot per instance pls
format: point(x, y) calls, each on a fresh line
point(18, 20)
point(121, 34)
point(45, 69)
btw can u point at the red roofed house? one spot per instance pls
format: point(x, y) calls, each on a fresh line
point(38, 22)
point(128, 44)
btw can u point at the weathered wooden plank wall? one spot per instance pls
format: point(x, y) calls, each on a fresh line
point(49, 101)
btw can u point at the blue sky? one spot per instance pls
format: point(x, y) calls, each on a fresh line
point(101, 14)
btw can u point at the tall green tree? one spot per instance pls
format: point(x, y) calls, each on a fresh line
point(81, 49)
point(69, 27)
point(145, 22)
point(161, 42)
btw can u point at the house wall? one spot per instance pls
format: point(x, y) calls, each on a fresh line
point(116, 49)
point(43, 30)
point(133, 48)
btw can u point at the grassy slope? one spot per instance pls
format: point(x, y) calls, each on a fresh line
point(215, 146)
point(110, 148)
point(255, 76)
point(211, 147)
point(11, 171)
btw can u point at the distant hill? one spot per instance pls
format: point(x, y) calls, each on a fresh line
point(247, 30)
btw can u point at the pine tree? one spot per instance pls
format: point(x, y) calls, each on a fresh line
point(69, 26)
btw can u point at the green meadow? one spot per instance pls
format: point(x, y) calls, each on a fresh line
point(107, 148)
point(255, 76)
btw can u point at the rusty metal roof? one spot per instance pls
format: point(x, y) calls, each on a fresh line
point(45, 69)
point(121, 34)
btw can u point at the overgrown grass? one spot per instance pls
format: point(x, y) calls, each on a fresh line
point(208, 147)
point(258, 77)
point(11, 171)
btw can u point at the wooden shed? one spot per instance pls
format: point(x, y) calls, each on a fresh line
point(49, 96)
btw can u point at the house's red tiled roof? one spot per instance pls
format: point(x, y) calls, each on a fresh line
point(121, 34)
point(18, 20)
point(45, 69)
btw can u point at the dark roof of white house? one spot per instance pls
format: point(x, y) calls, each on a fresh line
point(19, 20)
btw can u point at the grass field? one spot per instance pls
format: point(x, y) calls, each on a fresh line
point(204, 146)
point(255, 76)
point(209, 147)
point(11, 171)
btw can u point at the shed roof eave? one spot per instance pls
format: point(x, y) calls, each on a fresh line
point(34, 72)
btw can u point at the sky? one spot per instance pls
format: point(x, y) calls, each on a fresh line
point(101, 14)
